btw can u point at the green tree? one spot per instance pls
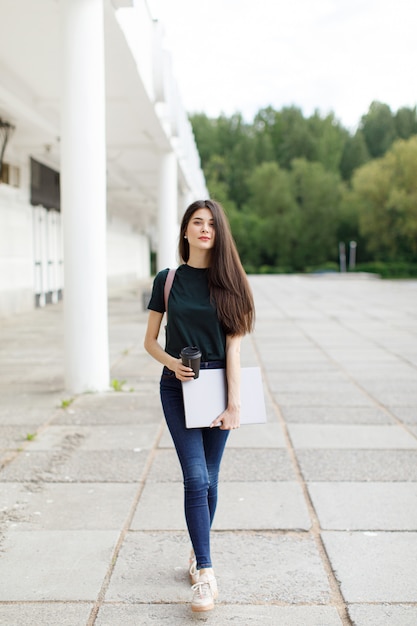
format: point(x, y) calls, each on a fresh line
point(288, 133)
point(238, 148)
point(271, 198)
point(348, 224)
point(217, 169)
point(385, 191)
point(205, 133)
point(217, 180)
point(247, 228)
point(263, 146)
point(329, 139)
point(268, 132)
point(406, 122)
point(378, 127)
point(232, 142)
point(296, 139)
point(318, 195)
point(355, 154)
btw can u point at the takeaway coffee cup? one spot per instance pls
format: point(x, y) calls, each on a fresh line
point(191, 357)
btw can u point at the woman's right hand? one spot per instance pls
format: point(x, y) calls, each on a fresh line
point(182, 372)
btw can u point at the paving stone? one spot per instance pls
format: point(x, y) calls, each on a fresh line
point(351, 436)
point(378, 372)
point(269, 435)
point(54, 565)
point(241, 506)
point(374, 567)
point(268, 331)
point(69, 506)
point(161, 507)
point(369, 356)
point(365, 506)
point(6, 456)
point(358, 465)
point(165, 467)
point(180, 614)
point(308, 353)
point(300, 383)
point(14, 437)
point(133, 382)
point(335, 415)
point(14, 404)
point(151, 567)
point(308, 381)
point(24, 417)
point(76, 466)
point(104, 416)
point(276, 366)
point(324, 399)
point(257, 465)
point(45, 614)
point(406, 414)
point(166, 439)
point(109, 437)
point(308, 387)
point(46, 373)
point(271, 365)
point(48, 614)
point(267, 337)
point(392, 384)
point(130, 364)
point(122, 401)
point(49, 387)
point(237, 465)
point(396, 398)
point(383, 614)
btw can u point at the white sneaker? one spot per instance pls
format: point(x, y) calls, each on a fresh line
point(205, 592)
point(192, 570)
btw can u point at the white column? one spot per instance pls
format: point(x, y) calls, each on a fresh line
point(187, 198)
point(168, 227)
point(83, 195)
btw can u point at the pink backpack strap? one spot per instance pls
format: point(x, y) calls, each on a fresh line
point(167, 287)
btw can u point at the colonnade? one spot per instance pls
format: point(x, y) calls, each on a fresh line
point(83, 197)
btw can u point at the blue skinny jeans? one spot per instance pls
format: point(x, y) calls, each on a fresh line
point(199, 451)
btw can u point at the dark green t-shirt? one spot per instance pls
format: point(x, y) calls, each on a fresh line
point(192, 319)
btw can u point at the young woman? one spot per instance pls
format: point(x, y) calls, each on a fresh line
point(210, 306)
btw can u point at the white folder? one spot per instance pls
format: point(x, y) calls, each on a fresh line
point(205, 398)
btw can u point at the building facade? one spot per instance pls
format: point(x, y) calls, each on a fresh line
point(98, 162)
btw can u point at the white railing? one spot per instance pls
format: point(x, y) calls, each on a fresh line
point(145, 37)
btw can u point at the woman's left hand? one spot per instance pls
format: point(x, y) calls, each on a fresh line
point(228, 420)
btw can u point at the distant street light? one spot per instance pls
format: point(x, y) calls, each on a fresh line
point(352, 255)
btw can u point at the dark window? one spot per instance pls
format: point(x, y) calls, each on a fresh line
point(44, 186)
point(10, 175)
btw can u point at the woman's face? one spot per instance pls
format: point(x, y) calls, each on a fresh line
point(200, 230)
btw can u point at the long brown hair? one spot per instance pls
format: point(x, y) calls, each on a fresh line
point(228, 283)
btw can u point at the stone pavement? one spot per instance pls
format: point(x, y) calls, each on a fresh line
point(317, 518)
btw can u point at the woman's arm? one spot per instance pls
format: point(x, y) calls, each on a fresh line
point(154, 348)
point(230, 418)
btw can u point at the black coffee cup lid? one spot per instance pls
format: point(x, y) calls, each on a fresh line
point(191, 351)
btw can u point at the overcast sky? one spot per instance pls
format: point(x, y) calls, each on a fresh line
point(331, 55)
